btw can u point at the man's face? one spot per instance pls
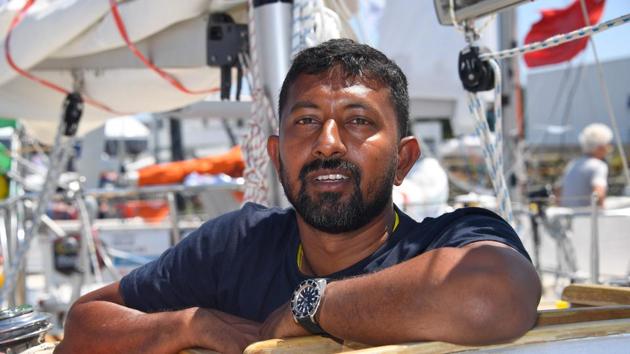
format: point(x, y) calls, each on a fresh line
point(337, 154)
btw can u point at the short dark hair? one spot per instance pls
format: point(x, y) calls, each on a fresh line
point(356, 61)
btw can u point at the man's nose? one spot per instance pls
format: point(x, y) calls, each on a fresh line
point(329, 142)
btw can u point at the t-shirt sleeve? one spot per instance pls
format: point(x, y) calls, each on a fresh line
point(469, 225)
point(185, 275)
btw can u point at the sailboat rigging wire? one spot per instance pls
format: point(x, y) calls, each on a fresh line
point(122, 29)
point(558, 39)
point(568, 103)
point(62, 151)
point(17, 19)
point(607, 100)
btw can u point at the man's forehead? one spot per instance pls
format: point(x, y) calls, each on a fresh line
point(335, 81)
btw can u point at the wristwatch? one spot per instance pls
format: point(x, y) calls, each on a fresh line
point(306, 301)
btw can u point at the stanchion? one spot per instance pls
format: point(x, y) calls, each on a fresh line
point(594, 239)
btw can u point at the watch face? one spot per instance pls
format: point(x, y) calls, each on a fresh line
point(305, 300)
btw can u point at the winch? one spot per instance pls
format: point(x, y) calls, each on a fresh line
point(21, 328)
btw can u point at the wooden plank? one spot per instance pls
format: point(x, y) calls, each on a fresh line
point(198, 351)
point(582, 314)
point(552, 325)
point(311, 344)
point(596, 295)
point(537, 335)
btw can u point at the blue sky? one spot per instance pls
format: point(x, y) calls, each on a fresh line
point(612, 44)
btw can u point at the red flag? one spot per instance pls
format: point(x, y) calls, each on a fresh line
point(557, 21)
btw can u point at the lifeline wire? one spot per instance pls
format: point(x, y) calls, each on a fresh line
point(558, 39)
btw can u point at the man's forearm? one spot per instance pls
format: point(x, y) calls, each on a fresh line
point(468, 296)
point(106, 327)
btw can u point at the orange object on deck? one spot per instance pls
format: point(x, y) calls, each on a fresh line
point(149, 210)
point(231, 163)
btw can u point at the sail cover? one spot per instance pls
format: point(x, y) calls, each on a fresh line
point(77, 41)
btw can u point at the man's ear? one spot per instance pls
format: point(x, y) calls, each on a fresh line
point(408, 154)
point(273, 149)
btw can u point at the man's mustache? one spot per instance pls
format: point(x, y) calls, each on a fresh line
point(331, 164)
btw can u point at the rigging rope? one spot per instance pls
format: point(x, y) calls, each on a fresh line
point(303, 26)
point(255, 141)
point(492, 146)
point(314, 23)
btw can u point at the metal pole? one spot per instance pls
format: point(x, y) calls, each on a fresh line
point(62, 150)
point(177, 149)
point(174, 215)
point(273, 37)
point(594, 239)
point(87, 238)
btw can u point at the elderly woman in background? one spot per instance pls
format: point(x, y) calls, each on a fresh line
point(588, 173)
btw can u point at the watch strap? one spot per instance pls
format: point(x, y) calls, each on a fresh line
point(310, 325)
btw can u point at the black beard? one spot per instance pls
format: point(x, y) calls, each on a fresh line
point(331, 215)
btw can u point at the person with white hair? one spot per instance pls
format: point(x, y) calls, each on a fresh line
point(588, 173)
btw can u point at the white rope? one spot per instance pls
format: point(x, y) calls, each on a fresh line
point(492, 146)
point(558, 39)
point(460, 28)
point(451, 12)
point(255, 141)
point(607, 100)
point(303, 35)
point(313, 23)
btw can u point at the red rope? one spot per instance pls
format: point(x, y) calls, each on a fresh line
point(166, 76)
point(17, 19)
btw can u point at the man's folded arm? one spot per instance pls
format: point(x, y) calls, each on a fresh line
point(99, 322)
point(482, 293)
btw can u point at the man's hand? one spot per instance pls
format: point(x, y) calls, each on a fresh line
point(225, 333)
point(280, 324)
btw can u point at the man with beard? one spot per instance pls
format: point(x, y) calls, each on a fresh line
point(344, 261)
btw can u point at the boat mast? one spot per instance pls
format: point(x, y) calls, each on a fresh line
point(273, 37)
point(512, 105)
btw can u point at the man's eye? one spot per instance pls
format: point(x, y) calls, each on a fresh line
point(305, 120)
point(360, 121)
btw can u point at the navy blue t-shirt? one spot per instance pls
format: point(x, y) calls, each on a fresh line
point(245, 262)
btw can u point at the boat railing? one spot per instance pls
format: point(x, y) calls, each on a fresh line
point(16, 211)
